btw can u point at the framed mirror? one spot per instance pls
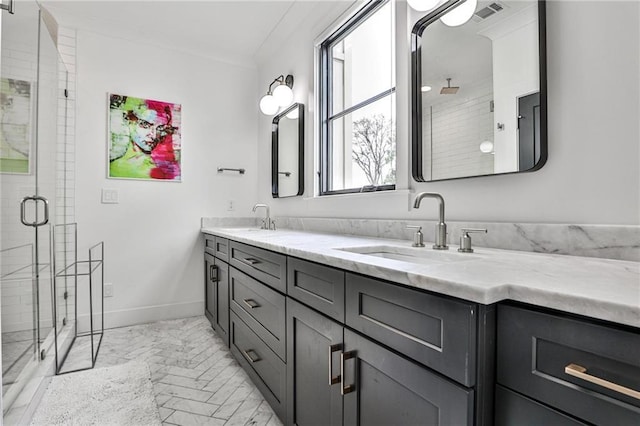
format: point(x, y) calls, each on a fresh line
point(287, 152)
point(478, 91)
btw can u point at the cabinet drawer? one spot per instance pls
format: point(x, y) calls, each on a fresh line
point(263, 265)
point(435, 331)
point(535, 348)
point(210, 244)
point(318, 286)
point(263, 366)
point(216, 246)
point(260, 307)
point(515, 409)
point(221, 249)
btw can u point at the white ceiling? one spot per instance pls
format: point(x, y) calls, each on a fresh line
point(228, 30)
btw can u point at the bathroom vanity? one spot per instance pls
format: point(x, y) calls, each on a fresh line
point(352, 330)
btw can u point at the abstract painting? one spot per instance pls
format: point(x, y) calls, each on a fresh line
point(144, 139)
point(15, 126)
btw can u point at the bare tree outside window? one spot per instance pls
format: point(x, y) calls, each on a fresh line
point(374, 149)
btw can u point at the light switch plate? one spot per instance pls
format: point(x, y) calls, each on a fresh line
point(110, 196)
point(108, 289)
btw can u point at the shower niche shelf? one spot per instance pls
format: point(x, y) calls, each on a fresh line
point(82, 280)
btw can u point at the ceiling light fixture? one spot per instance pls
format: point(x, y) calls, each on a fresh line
point(281, 96)
point(461, 14)
point(425, 88)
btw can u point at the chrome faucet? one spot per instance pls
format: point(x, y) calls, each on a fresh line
point(441, 227)
point(267, 223)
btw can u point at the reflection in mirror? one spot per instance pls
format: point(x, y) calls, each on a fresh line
point(479, 91)
point(287, 152)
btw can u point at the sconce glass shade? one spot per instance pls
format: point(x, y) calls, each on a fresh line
point(283, 95)
point(423, 5)
point(461, 14)
point(268, 104)
point(486, 147)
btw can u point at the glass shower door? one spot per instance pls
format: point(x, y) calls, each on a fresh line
point(18, 179)
point(32, 192)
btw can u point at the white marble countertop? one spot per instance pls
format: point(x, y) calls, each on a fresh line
point(598, 288)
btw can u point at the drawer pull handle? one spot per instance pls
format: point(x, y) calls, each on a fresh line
point(249, 261)
point(254, 358)
point(251, 303)
point(343, 357)
point(581, 373)
point(214, 273)
point(333, 348)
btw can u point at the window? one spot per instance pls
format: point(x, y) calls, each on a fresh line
point(357, 103)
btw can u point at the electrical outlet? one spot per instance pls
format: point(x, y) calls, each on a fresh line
point(110, 196)
point(108, 289)
point(230, 205)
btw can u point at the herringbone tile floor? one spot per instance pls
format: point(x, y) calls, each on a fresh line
point(195, 378)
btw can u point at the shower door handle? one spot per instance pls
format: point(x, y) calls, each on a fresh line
point(8, 7)
point(23, 217)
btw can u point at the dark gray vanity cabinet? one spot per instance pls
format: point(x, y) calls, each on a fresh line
point(314, 345)
point(257, 282)
point(433, 330)
point(265, 368)
point(384, 388)
point(263, 265)
point(554, 366)
point(337, 376)
point(216, 288)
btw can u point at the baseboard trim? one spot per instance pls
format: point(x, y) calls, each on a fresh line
point(143, 315)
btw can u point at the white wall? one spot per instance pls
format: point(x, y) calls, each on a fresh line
point(592, 175)
point(152, 237)
point(515, 75)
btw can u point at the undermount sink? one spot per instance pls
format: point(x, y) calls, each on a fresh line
point(412, 254)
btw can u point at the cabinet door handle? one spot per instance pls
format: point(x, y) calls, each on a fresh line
point(333, 348)
point(254, 358)
point(343, 357)
point(249, 261)
point(214, 273)
point(251, 303)
point(580, 372)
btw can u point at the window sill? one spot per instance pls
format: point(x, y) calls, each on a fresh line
point(360, 195)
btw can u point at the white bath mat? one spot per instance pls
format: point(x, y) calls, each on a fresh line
point(120, 395)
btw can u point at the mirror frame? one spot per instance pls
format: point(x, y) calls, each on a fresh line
point(416, 84)
point(275, 147)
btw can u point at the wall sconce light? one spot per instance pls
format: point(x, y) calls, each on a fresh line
point(281, 96)
point(461, 14)
point(456, 17)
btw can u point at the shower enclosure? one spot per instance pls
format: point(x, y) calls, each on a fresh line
point(36, 193)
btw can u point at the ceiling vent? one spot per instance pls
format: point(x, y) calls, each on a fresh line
point(488, 11)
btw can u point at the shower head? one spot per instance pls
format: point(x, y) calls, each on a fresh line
point(449, 90)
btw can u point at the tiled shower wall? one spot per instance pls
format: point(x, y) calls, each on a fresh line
point(452, 128)
point(65, 160)
point(19, 61)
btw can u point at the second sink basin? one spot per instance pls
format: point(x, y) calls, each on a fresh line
point(413, 255)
